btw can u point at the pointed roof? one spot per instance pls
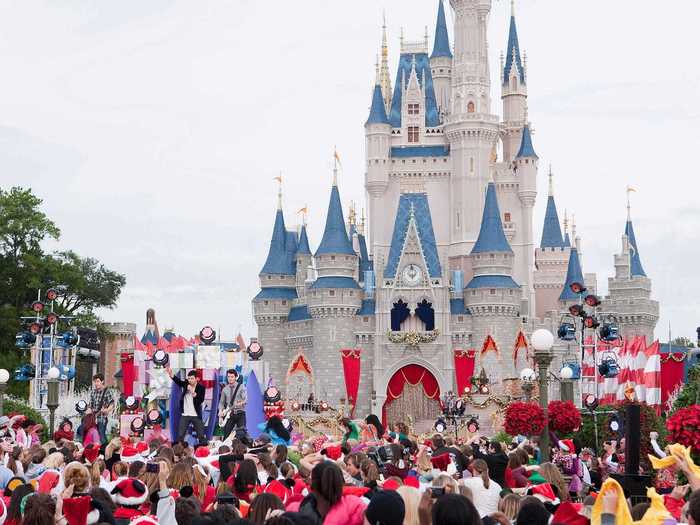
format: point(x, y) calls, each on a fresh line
point(335, 237)
point(377, 113)
point(513, 53)
point(303, 248)
point(441, 46)
point(636, 268)
point(425, 78)
point(277, 260)
point(573, 275)
point(491, 237)
point(526, 149)
point(551, 233)
point(365, 263)
point(567, 240)
point(291, 253)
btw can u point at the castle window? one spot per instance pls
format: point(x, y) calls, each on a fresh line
point(331, 293)
point(269, 277)
point(413, 109)
point(506, 216)
point(284, 303)
point(514, 83)
point(365, 319)
point(413, 133)
point(492, 291)
point(460, 318)
point(493, 255)
point(441, 70)
point(510, 292)
point(471, 164)
point(473, 292)
point(332, 257)
point(266, 303)
point(470, 107)
point(352, 293)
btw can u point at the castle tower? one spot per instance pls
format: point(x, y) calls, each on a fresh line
point(471, 129)
point(303, 261)
point(513, 93)
point(629, 292)
point(333, 299)
point(525, 166)
point(278, 291)
point(492, 296)
point(574, 274)
point(384, 74)
point(441, 61)
point(551, 260)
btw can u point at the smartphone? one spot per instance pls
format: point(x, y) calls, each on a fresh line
point(437, 492)
point(226, 499)
point(153, 467)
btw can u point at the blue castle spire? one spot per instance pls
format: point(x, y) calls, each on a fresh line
point(335, 237)
point(276, 262)
point(491, 237)
point(526, 148)
point(377, 113)
point(441, 46)
point(303, 248)
point(513, 53)
point(551, 233)
point(573, 275)
point(636, 268)
point(567, 240)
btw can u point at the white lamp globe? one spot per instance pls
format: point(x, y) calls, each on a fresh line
point(527, 374)
point(542, 340)
point(53, 373)
point(566, 372)
point(4, 376)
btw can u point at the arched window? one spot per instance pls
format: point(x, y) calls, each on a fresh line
point(425, 313)
point(470, 107)
point(514, 82)
point(399, 313)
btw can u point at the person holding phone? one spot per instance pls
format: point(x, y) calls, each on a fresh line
point(191, 399)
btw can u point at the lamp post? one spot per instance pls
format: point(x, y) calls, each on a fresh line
point(542, 341)
point(566, 384)
point(4, 378)
point(528, 377)
point(52, 396)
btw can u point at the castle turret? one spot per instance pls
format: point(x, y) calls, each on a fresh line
point(384, 77)
point(629, 292)
point(574, 274)
point(441, 61)
point(303, 261)
point(333, 298)
point(513, 92)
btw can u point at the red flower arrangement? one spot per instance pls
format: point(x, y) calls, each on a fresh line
point(564, 417)
point(524, 419)
point(684, 427)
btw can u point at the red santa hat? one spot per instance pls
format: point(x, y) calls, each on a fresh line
point(441, 462)
point(79, 511)
point(567, 445)
point(146, 519)
point(91, 452)
point(412, 481)
point(391, 484)
point(278, 489)
point(568, 514)
point(333, 452)
point(129, 454)
point(130, 492)
point(201, 452)
point(3, 511)
point(142, 448)
point(48, 481)
point(545, 493)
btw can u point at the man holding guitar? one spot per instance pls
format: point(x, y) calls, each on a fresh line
point(101, 404)
point(232, 404)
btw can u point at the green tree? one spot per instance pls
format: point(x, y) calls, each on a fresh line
point(683, 342)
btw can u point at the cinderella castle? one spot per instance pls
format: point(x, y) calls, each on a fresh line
point(449, 263)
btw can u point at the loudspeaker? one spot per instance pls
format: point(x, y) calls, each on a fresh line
point(633, 435)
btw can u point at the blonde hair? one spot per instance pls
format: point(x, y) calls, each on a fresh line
point(424, 463)
point(78, 475)
point(55, 460)
point(200, 479)
point(180, 476)
point(466, 492)
point(448, 482)
point(411, 498)
point(553, 476)
point(369, 471)
point(98, 467)
point(510, 505)
point(483, 469)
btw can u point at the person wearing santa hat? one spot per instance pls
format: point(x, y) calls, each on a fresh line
point(129, 495)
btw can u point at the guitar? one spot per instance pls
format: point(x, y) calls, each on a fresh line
point(224, 416)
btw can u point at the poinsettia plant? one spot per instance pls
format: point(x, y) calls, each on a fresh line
point(564, 417)
point(684, 427)
point(525, 419)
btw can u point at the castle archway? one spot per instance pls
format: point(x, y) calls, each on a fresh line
point(412, 390)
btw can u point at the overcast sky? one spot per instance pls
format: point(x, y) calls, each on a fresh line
point(153, 130)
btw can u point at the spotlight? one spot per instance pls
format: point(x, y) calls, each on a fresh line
point(154, 417)
point(67, 372)
point(52, 318)
point(255, 350)
point(576, 310)
point(440, 426)
point(287, 424)
point(25, 340)
point(137, 425)
point(38, 306)
point(460, 407)
point(590, 322)
point(296, 406)
point(81, 407)
point(207, 335)
point(577, 287)
point(131, 403)
point(36, 327)
point(473, 425)
point(609, 332)
point(160, 358)
point(608, 366)
point(567, 332)
point(590, 402)
point(615, 424)
point(324, 406)
point(69, 339)
point(272, 394)
point(51, 294)
point(592, 300)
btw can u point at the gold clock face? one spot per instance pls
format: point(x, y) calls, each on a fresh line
point(412, 275)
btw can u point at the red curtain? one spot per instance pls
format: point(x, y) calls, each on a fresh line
point(411, 375)
point(351, 370)
point(672, 365)
point(128, 373)
point(464, 369)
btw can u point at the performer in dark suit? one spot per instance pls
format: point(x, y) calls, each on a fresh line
point(191, 399)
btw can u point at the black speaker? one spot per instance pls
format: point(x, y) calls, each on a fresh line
point(633, 436)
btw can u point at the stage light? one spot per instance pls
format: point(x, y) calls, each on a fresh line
point(590, 402)
point(296, 406)
point(38, 306)
point(69, 339)
point(52, 318)
point(615, 424)
point(440, 426)
point(161, 358)
point(592, 300)
point(324, 406)
point(576, 310)
point(67, 372)
point(609, 332)
point(25, 340)
point(577, 287)
point(608, 366)
point(566, 332)
point(51, 294)
point(287, 424)
point(131, 403)
point(527, 374)
point(255, 350)
point(272, 394)
point(460, 407)
point(207, 335)
point(590, 322)
point(473, 425)
point(81, 407)
point(137, 425)
point(36, 327)
point(154, 417)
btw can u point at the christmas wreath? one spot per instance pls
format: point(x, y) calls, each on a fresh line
point(524, 419)
point(564, 417)
point(684, 427)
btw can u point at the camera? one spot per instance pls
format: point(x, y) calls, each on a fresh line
point(153, 467)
